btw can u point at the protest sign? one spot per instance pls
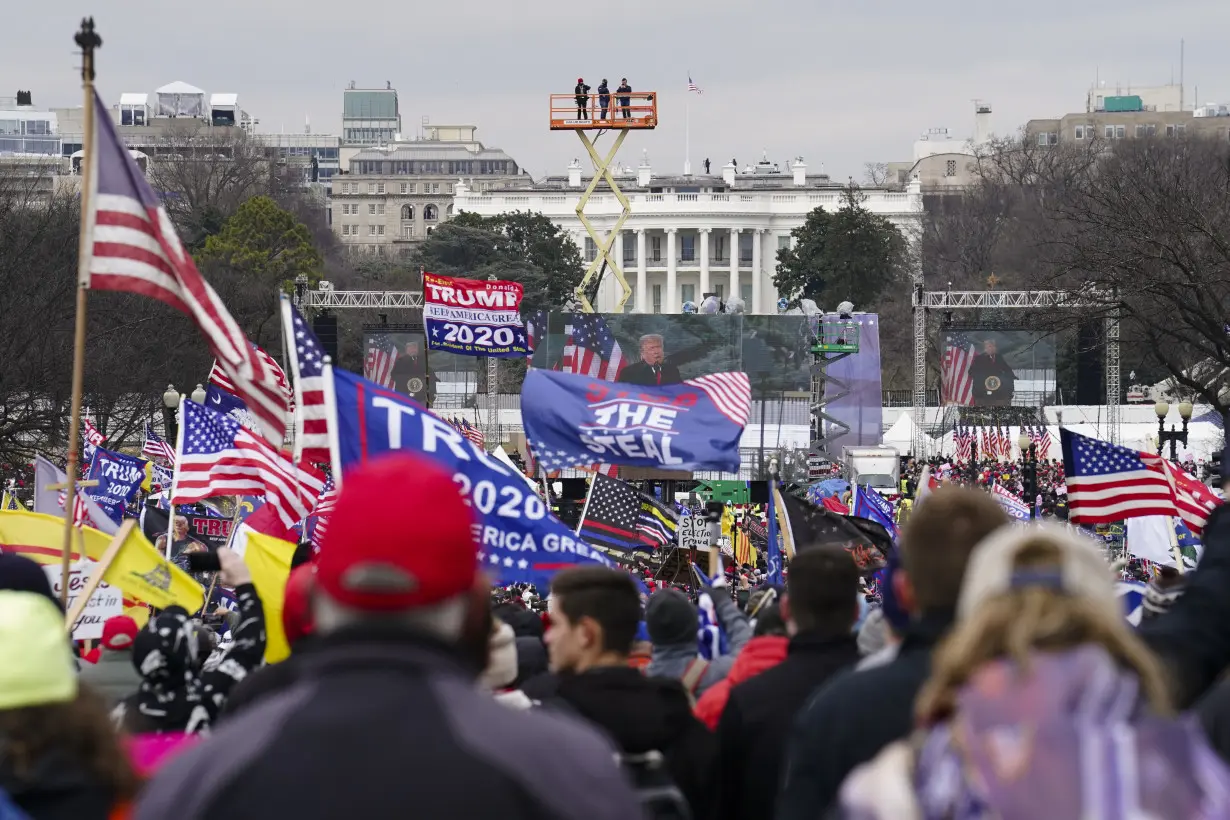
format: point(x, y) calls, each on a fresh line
point(118, 477)
point(473, 317)
point(106, 602)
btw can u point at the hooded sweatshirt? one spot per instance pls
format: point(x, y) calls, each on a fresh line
point(643, 714)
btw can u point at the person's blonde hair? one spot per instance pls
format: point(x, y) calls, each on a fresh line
point(1014, 623)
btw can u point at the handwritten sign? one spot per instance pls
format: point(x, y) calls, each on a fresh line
point(694, 532)
point(106, 602)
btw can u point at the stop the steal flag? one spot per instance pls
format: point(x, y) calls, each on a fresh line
point(574, 420)
point(519, 540)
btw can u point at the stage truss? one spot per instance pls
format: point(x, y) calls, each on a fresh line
point(949, 300)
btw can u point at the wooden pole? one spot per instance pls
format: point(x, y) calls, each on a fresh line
point(89, 42)
point(104, 564)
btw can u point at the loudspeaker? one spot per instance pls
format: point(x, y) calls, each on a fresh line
point(1090, 363)
point(325, 328)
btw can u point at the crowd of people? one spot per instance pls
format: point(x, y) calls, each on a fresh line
point(988, 671)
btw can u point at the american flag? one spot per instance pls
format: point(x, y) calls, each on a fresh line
point(134, 249)
point(219, 378)
point(220, 457)
point(731, 394)
point(656, 523)
point(693, 86)
point(324, 507)
point(307, 364)
point(965, 443)
point(472, 432)
point(612, 513)
point(1108, 483)
point(155, 446)
point(378, 363)
point(591, 349)
point(1044, 441)
point(535, 329)
point(1005, 441)
point(956, 386)
point(1193, 498)
point(81, 515)
point(988, 444)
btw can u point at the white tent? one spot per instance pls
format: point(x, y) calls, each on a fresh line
point(901, 435)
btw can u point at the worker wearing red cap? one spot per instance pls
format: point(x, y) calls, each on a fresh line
point(386, 717)
point(582, 92)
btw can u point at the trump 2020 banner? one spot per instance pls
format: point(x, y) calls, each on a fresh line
point(118, 476)
point(519, 540)
point(473, 318)
point(574, 421)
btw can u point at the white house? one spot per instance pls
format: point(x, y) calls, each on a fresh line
point(692, 235)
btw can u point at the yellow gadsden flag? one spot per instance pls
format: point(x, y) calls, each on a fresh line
point(268, 560)
point(139, 570)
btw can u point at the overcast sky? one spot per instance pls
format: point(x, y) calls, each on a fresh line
point(840, 83)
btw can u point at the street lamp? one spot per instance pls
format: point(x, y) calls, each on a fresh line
point(170, 403)
point(1029, 472)
point(1175, 437)
point(198, 395)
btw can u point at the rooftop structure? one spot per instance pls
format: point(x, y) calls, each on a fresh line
point(370, 116)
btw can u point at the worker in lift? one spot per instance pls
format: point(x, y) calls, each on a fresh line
point(604, 98)
point(582, 92)
point(625, 102)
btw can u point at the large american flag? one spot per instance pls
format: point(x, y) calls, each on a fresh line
point(956, 386)
point(307, 359)
point(591, 349)
point(380, 358)
point(155, 446)
point(220, 457)
point(134, 249)
point(1108, 483)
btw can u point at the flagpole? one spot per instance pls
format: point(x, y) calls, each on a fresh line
point(89, 42)
point(179, 449)
point(335, 447)
point(687, 135)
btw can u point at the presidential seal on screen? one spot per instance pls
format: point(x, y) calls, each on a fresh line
point(415, 385)
point(992, 383)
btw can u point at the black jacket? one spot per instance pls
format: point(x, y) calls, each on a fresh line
point(268, 680)
point(381, 726)
point(57, 788)
point(756, 722)
point(1214, 713)
point(851, 719)
point(641, 714)
point(645, 375)
point(1193, 636)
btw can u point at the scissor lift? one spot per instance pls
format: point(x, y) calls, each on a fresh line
point(833, 339)
point(583, 113)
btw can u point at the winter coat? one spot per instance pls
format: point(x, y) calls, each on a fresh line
point(753, 730)
point(673, 661)
point(760, 654)
point(177, 693)
point(642, 714)
point(57, 789)
point(1192, 637)
point(1034, 744)
point(113, 677)
point(851, 719)
point(531, 658)
point(382, 723)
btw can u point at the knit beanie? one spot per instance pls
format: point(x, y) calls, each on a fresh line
point(36, 663)
point(671, 618)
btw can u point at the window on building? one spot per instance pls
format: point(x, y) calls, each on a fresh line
point(380, 209)
point(745, 247)
point(783, 242)
point(448, 210)
point(380, 187)
point(407, 231)
point(745, 293)
point(591, 249)
point(412, 188)
point(1078, 132)
point(687, 248)
point(1120, 131)
point(449, 188)
point(687, 293)
point(435, 188)
point(403, 187)
point(629, 249)
point(1109, 132)
point(371, 209)
point(655, 248)
point(371, 230)
point(431, 213)
point(379, 230)
point(407, 212)
point(345, 230)
point(657, 298)
point(950, 170)
point(719, 248)
point(720, 289)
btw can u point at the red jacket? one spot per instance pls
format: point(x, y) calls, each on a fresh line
point(759, 655)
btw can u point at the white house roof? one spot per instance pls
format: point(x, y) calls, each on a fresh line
point(179, 87)
point(216, 100)
point(134, 99)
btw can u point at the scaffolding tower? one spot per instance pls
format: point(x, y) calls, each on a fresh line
point(621, 113)
point(833, 339)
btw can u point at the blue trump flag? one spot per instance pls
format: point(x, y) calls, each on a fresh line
point(870, 504)
point(573, 420)
point(118, 477)
point(519, 540)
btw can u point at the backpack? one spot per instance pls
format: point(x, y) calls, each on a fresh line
point(660, 798)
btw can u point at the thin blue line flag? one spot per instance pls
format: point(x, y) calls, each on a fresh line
point(519, 540)
point(574, 420)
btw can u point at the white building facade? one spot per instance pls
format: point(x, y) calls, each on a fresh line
point(689, 236)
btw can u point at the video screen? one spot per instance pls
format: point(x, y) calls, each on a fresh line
point(657, 349)
point(997, 368)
